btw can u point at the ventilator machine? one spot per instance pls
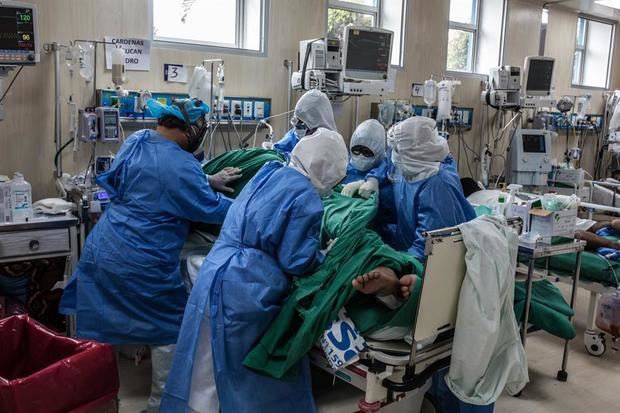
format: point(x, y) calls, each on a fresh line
point(357, 65)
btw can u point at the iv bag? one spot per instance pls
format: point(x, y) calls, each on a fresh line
point(444, 100)
point(386, 113)
point(87, 58)
point(72, 57)
point(582, 106)
point(118, 66)
point(200, 85)
point(430, 92)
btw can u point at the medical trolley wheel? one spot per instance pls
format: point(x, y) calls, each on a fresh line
point(595, 343)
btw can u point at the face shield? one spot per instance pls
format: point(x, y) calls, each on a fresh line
point(196, 130)
point(368, 145)
point(301, 129)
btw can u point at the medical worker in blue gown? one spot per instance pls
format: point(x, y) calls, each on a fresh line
point(427, 188)
point(367, 173)
point(270, 235)
point(313, 111)
point(127, 288)
point(367, 169)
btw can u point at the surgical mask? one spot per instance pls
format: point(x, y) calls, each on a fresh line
point(362, 163)
point(301, 129)
point(301, 132)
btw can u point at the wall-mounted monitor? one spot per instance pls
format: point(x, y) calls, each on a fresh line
point(538, 79)
point(366, 53)
point(19, 36)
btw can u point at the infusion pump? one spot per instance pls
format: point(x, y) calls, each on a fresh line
point(99, 124)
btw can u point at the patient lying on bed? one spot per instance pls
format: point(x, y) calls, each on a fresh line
point(603, 238)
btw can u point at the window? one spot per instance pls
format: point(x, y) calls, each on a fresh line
point(387, 14)
point(475, 35)
point(593, 48)
point(462, 35)
point(233, 24)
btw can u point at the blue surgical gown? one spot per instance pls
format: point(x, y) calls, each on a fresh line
point(127, 286)
point(286, 145)
point(429, 204)
point(270, 235)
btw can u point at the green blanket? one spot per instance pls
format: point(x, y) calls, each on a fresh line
point(315, 300)
point(593, 267)
point(248, 160)
point(548, 310)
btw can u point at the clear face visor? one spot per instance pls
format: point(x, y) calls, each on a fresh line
point(301, 129)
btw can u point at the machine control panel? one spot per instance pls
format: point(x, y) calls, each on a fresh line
point(18, 34)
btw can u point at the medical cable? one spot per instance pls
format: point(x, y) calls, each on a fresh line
point(503, 130)
point(211, 151)
point(265, 121)
point(11, 84)
point(60, 151)
point(230, 120)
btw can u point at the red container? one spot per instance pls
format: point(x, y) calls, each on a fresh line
point(41, 371)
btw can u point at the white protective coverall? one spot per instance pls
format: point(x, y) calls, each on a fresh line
point(487, 354)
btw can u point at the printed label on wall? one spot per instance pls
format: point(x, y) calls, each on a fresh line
point(175, 73)
point(137, 52)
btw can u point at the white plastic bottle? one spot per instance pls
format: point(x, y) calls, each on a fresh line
point(5, 199)
point(21, 198)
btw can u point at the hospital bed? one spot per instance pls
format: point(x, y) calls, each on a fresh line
point(395, 372)
point(604, 280)
point(604, 193)
point(594, 341)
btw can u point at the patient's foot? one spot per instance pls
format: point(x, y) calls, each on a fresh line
point(407, 284)
point(381, 281)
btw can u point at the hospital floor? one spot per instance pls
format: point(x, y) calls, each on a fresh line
point(593, 383)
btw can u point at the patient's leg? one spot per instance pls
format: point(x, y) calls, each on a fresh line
point(381, 281)
point(593, 241)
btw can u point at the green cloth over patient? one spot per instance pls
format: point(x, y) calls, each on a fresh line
point(593, 267)
point(316, 299)
point(548, 310)
point(248, 160)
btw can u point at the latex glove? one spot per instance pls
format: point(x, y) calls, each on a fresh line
point(219, 182)
point(330, 245)
point(369, 187)
point(351, 188)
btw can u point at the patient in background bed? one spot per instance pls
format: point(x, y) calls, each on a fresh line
point(598, 236)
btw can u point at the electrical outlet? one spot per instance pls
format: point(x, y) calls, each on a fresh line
point(259, 110)
point(236, 107)
point(248, 109)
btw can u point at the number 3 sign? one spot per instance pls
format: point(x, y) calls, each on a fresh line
point(175, 73)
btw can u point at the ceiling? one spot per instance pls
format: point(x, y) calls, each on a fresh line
point(588, 7)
